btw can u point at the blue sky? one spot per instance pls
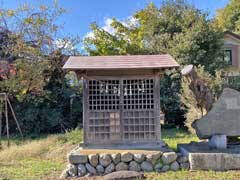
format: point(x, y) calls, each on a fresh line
point(82, 12)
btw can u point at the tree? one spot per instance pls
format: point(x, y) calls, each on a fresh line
point(228, 18)
point(38, 89)
point(176, 28)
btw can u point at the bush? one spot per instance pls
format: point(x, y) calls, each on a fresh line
point(170, 93)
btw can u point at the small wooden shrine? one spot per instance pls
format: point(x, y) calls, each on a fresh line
point(121, 97)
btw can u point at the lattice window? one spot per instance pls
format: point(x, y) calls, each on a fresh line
point(138, 94)
point(104, 95)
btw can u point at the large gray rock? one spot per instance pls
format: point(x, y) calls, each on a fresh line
point(139, 157)
point(100, 169)
point(110, 168)
point(146, 166)
point(121, 166)
point(168, 157)
point(116, 158)
point(223, 118)
point(158, 167)
point(93, 159)
point(134, 166)
point(105, 159)
point(218, 142)
point(77, 158)
point(124, 175)
point(174, 166)
point(91, 169)
point(153, 157)
point(126, 157)
point(82, 171)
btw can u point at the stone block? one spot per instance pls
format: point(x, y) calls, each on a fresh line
point(100, 169)
point(124, 175)
point(93, 159)
point(168, 157)
point(146, 166)
point(218, 142)
point(134, 166)
point(72, 170)
point(91, 169)
point(116, 158)
point(121, 166)
point(82, 171)
point(77, 158)
point(153, 157)
point(110, 168)
point(126, 157)
point(139, 157)
point(158, 167)
point(174, 166)
point(105, 159)
point(214, 161)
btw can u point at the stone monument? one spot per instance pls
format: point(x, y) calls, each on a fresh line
point(221, 121)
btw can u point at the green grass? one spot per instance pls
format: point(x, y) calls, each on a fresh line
point(45, 158)
point(197, 175)
point(176, 136)
point(27, 169)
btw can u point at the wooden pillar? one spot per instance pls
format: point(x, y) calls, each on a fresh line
point(85, 111)
point(157, 108)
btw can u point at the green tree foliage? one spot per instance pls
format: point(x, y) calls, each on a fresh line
point(184, 32)
point(39, 90)
point(214, 82)
point(171, 105)
point(176, 28)
point(228, 18)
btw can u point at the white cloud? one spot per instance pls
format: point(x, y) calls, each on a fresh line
point(130, 21)
point(64, 43)
point(107, 26)
point(89, 34)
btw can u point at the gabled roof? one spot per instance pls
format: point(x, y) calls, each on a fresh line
point(120, 62)
point(234, 35)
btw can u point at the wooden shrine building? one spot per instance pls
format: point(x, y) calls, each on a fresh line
point(121, 97)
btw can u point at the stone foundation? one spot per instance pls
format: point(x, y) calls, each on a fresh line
point(203, 157)
point(83, 164)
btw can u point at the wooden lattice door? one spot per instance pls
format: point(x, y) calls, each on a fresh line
point(138, 115)
point(104, 111)
point(121, 110)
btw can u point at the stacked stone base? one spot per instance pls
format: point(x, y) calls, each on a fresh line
point(101, 164)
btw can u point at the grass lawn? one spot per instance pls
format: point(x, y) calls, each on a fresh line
point(45, 158)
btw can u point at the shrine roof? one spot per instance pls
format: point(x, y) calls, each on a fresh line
point(120, 62)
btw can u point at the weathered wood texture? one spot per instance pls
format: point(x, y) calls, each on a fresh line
point(121, 97)
point(121, 109)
